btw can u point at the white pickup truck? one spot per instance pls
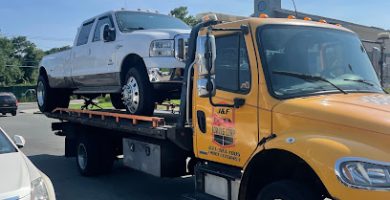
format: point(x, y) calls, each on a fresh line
point(136, 57)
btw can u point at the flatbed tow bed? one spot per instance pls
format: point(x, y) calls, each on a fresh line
point(108, 128)
point(156, 127)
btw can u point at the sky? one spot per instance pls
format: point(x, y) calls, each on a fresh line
point(51, 23)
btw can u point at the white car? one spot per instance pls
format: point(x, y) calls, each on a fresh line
point(19, 178)
point(136, 57)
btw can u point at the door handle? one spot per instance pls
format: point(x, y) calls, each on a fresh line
point(201, 116)
point(119, 46)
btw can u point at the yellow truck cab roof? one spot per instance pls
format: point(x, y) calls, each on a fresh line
point(285, 21)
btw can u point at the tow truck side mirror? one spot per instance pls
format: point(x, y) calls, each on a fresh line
point(205, 58)
point(107, 34)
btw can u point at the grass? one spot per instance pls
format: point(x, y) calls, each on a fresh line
point(388, 90)
point(102, 102)
point(105, 103)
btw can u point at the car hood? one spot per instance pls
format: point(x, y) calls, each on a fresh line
point(160, 33)
point(16, 175)
point(364, 111)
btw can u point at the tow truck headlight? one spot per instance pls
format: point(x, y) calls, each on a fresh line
point(162, 48)
point(38, 190)
point(364, 174)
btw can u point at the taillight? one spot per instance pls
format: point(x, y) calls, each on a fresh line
point(17, 102)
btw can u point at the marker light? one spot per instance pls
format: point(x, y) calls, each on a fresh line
point(323, 21)
point(263, 15)
point(339, 25)
point(291, 17)
point(307, 19)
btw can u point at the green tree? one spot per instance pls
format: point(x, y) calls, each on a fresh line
point(29, 56)
point(182, 13)
point(10, 73)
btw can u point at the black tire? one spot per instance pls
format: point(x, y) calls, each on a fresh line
point(48, 98)
point(145, 103)
point(117, 102)
point(13, 113)
point(99, 155)
point(287, 190)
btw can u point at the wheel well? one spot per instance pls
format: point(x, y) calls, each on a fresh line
point(42, 71)
point(130, 61)
point(275, 165)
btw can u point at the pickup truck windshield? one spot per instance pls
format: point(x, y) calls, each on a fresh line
point(5, 144)
point(332, 55)
point(130, 21)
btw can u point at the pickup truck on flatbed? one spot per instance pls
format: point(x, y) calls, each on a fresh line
point(136, 57)
point(270, 109)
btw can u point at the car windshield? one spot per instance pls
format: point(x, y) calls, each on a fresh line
point(5, 145)
point(302, 61)
point(130, 21)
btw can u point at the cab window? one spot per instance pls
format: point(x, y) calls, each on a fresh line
point(102, 21)
point(231, 64)
point(84, 33)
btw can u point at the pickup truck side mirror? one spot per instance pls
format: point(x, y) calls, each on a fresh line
point(108, 33)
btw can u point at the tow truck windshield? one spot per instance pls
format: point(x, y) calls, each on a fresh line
point(335, 56)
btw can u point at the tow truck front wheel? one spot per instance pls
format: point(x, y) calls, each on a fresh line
point(48, 98)
point(287, 190)
point(94, 156)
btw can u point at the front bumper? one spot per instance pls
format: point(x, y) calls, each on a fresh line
point(164, 69)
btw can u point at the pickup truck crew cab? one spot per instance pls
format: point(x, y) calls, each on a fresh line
point(270, 109)
point(137, 57)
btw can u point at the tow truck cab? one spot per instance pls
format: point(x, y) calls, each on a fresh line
point(284, 105)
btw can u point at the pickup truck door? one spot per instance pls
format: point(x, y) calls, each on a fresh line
point(104, 55)
point(82, 64)
point(225, 134)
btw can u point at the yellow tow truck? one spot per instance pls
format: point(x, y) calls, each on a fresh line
point(270, 109)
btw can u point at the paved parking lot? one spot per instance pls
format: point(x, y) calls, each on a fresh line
point(46, 151)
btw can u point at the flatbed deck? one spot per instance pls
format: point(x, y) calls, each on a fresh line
point(162, 125)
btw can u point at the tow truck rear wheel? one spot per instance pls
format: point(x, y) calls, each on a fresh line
point(94, 156)
point(287, 190)
point(137, 93)
point(48, 98)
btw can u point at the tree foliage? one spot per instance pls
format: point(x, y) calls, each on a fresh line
point(19, 60)
point(182, 13)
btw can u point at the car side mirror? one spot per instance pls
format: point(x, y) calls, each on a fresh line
point(19, 141)
point(108, 33)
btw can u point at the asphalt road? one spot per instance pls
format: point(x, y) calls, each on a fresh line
point(46, 151)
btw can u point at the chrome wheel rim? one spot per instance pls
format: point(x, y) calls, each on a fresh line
point(130, 95)
point(82, 156)
point(40, 93)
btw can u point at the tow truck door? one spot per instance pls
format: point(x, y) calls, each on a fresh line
point(225, 134)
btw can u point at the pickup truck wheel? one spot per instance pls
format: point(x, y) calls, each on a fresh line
point(13, 113)
point(48, 98)
point(287, 190)
point(94, 156)
point(117, 102)
point(138, 93)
